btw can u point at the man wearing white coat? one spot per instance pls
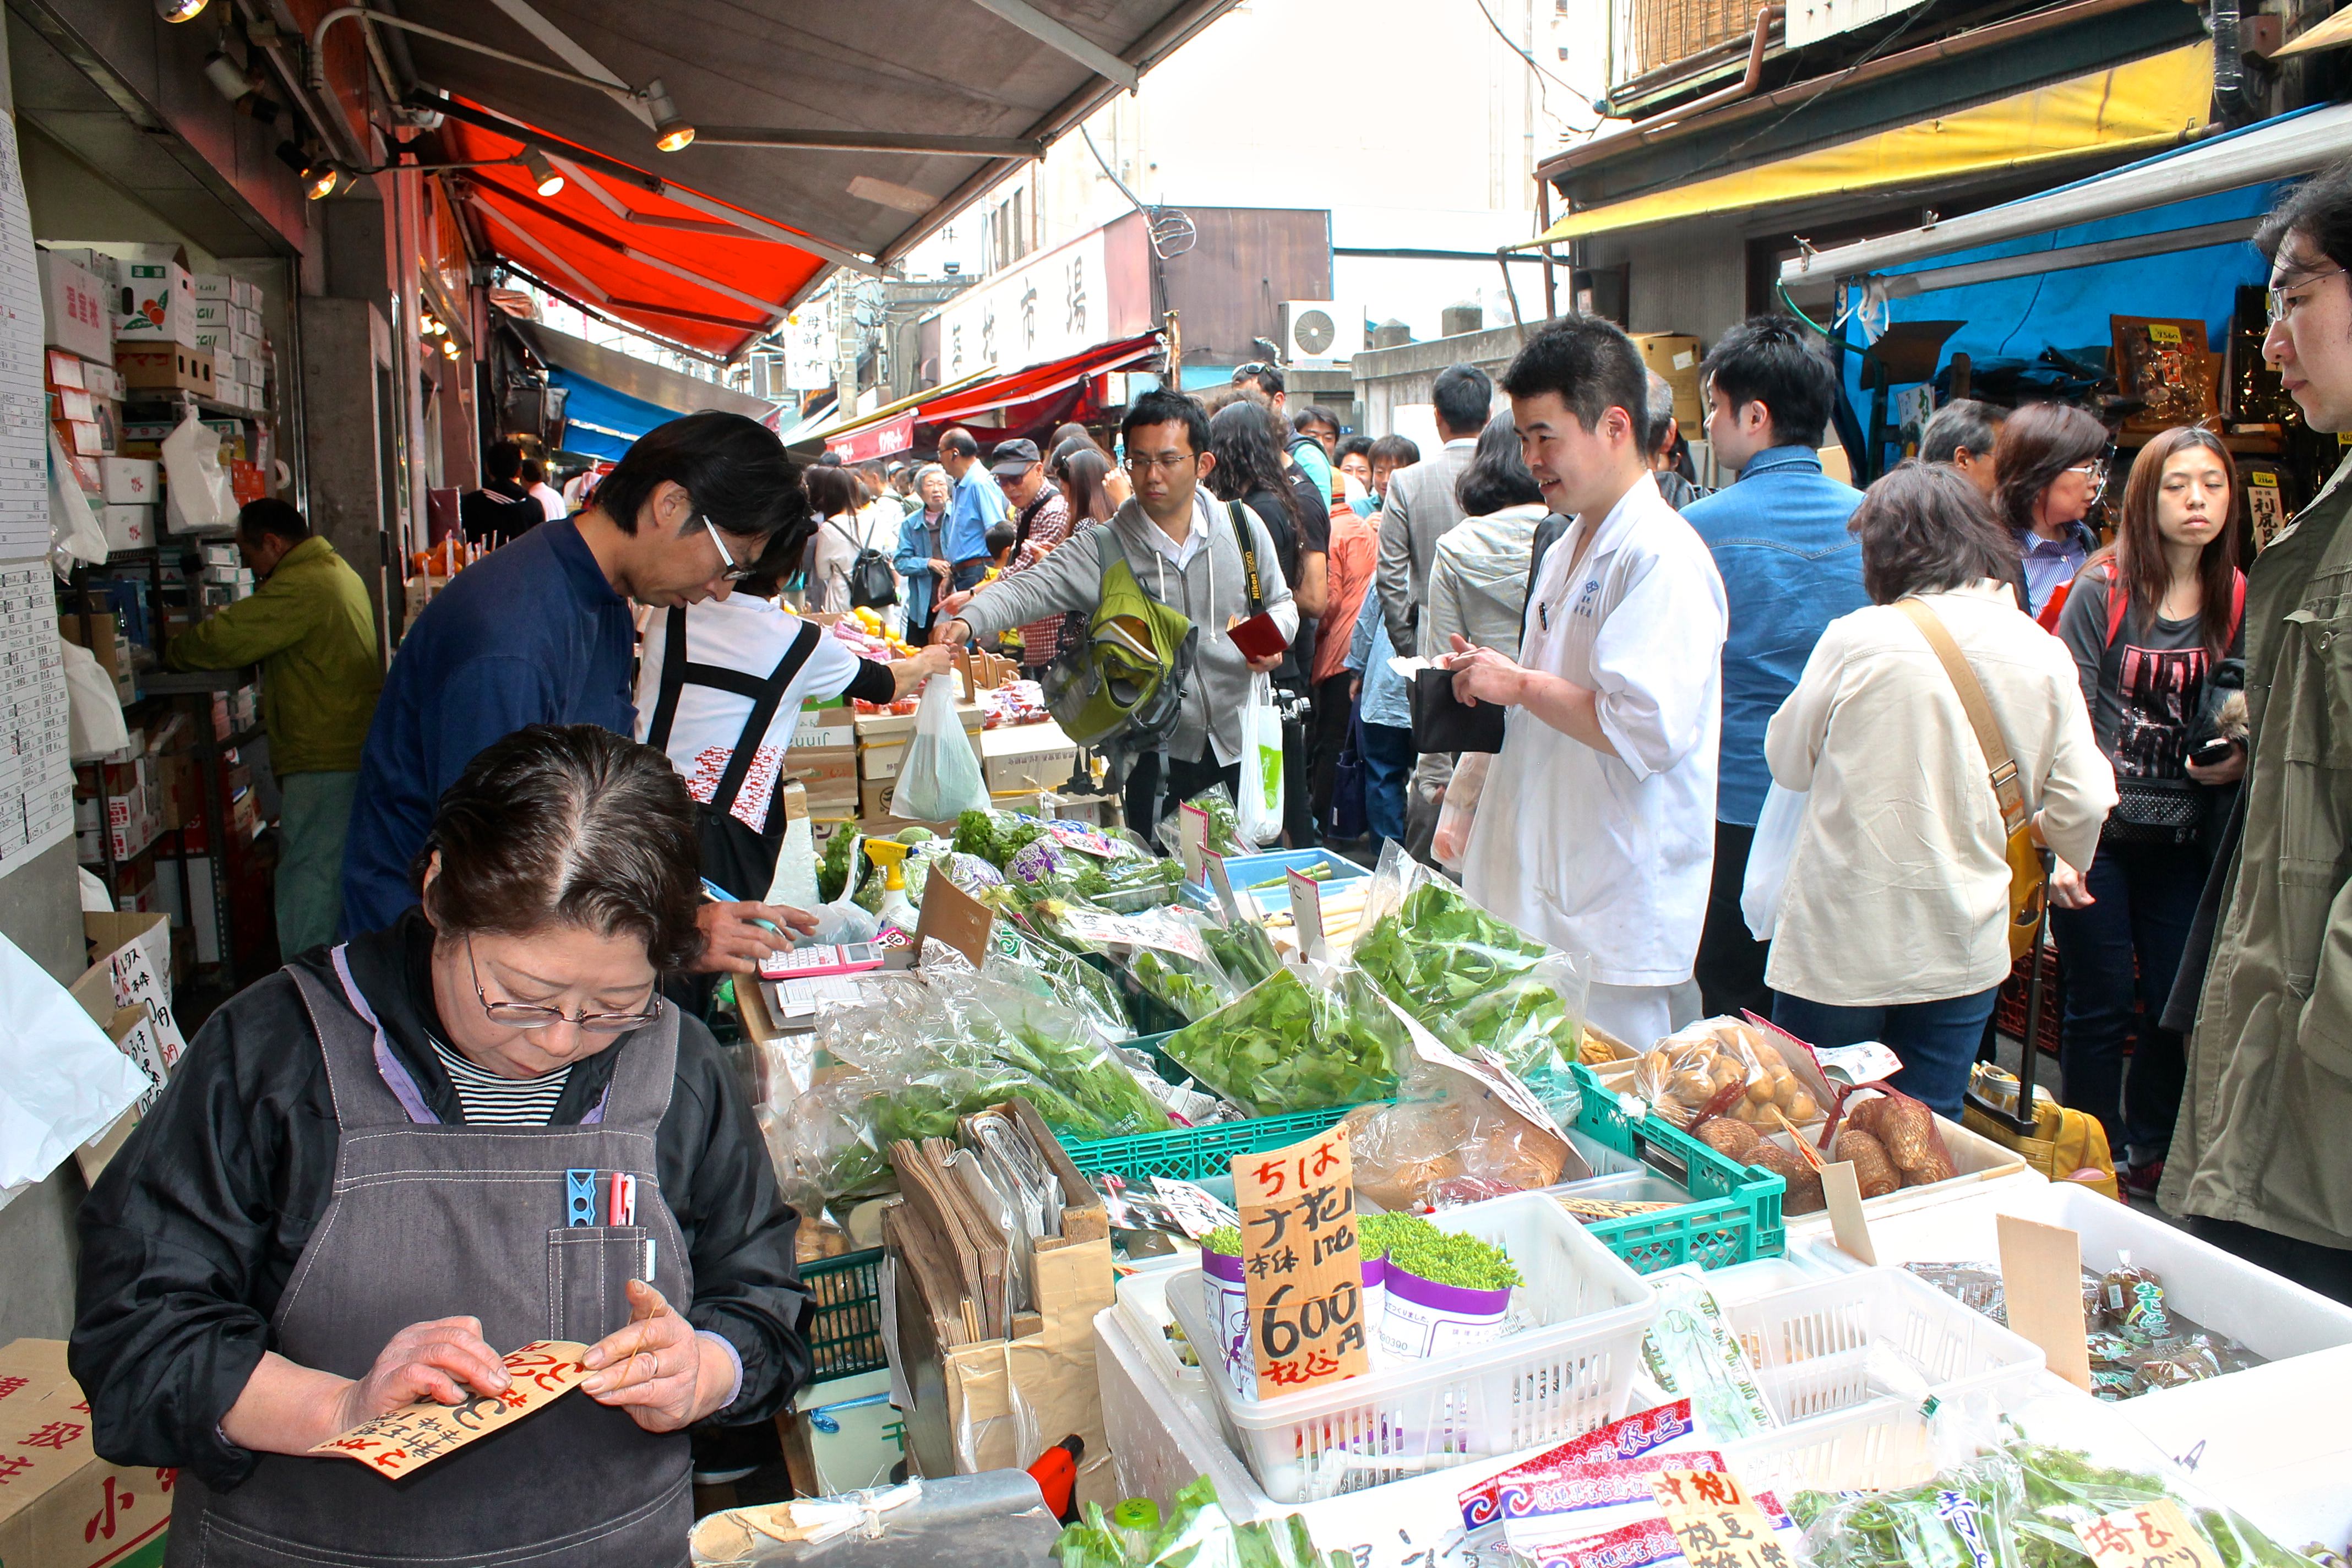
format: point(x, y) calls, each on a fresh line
point(1595, 831)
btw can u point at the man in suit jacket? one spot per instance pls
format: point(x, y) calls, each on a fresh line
point(1420, 506)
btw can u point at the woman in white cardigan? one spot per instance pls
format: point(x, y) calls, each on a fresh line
point(1893, 922)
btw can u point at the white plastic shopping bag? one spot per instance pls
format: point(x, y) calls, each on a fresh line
point(1767, 859)
point(941, 777)
point(1459, 814)
point(1260, 805)
point(62, 1081)
point(196, 493)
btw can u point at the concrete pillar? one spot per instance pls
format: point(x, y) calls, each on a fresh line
point(349, 431)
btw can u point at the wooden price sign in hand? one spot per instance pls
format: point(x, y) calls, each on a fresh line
point(1717, 1522)
point(1299, 1257)
point(415, 1434)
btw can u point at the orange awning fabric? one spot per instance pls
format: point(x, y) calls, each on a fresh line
point(1029, 402)
point(675, 271)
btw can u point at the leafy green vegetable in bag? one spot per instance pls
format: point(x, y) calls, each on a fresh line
point(1475, 981)
point(1242, 951)
point(1196, 1533)
point(1284, 1046)
point(1193, 990)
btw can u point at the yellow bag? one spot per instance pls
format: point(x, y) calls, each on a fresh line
point(2066, 1141)
point(2029, 872)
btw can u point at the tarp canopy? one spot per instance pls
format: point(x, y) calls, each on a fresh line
point(637, 378)
point(863, 125)
point(599, 422)
point(1028, 402)
point(2150, 102)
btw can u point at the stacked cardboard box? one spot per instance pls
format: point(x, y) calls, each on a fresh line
point(64, 1507)
point(822, 756)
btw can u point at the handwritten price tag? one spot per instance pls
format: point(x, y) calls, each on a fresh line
point(2153, 1535)
point(1305, 1275)
point(415, 1434)
point(1715, 1521)
point(1307, 913)
point(1191, 838)
point(1222, 884)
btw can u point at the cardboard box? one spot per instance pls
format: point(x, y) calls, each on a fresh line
point(165, 367)
point(101, 265)
point(159, 305)
point(1676, 356)
point(213, 285)
point(129, 482)
point(1026, 757)
point(81, 437)
point(63, 369)
point(71, 404)
point(75, 315)
point(128, 527)
point(244, 294)
point(102, 381)
point(129, 966)
point(64, 1507)
point(210, 313)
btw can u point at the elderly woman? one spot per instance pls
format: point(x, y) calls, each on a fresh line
point(355, 1194)
point(923, 569)
point(1893, 917)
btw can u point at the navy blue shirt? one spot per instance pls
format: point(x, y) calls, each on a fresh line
point(532, 633)
point(1789, 569)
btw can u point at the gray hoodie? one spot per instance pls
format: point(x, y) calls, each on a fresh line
point(1211, 590)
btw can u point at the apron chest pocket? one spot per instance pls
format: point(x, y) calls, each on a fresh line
point(588, 1270)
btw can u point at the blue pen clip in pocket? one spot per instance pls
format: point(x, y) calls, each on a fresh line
point(579, 1197)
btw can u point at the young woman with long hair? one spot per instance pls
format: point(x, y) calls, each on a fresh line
point(2148, 620)
point(1086, 473)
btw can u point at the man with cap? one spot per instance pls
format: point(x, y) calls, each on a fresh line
point(1041, 521)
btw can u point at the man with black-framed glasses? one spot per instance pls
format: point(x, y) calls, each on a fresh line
point(542, 632)
point(2258, 1162)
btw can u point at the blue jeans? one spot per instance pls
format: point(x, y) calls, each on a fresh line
point(967, 573)
point(1936, 1040)
point(2147, 896)
point(1388, 759)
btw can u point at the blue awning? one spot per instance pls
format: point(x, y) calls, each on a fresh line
point(599, 422)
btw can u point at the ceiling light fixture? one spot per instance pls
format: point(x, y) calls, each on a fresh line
point(543, 173)
point(671, 132)
point(323, 180)
point(179, 10)
point(449, 347)
point(227, 76)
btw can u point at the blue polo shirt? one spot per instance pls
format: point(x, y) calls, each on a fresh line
point(532, 633)
point(975, 507)
point(1789, 569)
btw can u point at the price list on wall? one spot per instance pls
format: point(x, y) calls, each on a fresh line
point(36, 774)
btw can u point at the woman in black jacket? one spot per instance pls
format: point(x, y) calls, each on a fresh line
point(384, 1168)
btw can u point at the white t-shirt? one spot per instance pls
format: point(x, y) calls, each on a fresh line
point(740, 632)
point(551, 500)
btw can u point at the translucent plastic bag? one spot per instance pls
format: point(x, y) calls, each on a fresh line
point(1460, 812)
point(941, 776)
point(1260, 804)
point(1289, 1044)
point(1767, 859)
point(196, 487)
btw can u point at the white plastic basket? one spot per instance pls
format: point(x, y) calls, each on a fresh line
point(1568, 1373)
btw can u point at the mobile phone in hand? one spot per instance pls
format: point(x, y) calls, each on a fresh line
point(2213, 752)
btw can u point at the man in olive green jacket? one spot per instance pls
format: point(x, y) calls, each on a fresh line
point(310, 628)
point(2260, 1159)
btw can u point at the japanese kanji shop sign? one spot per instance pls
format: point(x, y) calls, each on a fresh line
point(2153, 1535)
point(415, 1434)
point(1298, 1252)
point(1716, 1522)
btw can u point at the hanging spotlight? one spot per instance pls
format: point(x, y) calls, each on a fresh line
point(429, 325)
point(179, 10)
point(449, 347)
point(323, 180)
point(671, 132)
point(227, 76)
point(543, 173)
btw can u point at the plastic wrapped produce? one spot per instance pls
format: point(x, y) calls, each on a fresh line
point(1691, 1069)
point(1285, 1045)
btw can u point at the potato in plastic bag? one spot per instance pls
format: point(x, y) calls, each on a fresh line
point(1692, 1067)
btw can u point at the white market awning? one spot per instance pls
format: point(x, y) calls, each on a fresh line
point(2285, 148)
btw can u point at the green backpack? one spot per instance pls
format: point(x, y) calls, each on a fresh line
point(1124, 667)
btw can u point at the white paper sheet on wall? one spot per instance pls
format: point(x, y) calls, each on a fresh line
point(35, 776)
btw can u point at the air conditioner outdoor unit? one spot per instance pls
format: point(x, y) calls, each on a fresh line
point(1320, 332)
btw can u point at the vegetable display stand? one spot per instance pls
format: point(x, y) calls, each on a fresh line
point(1977, 1162)
point(844, 1333)
point(1570, 1372)
point(1734, 1215)
point(1812, 1348)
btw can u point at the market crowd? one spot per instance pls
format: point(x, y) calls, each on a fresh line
point(1775, 748)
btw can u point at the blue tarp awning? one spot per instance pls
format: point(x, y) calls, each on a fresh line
point(599, 422)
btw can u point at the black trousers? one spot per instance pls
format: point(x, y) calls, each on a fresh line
point(1327, 737)
point(1731, 968)
point(1185, 780)
point(2326, 1269)
point(1298, 806)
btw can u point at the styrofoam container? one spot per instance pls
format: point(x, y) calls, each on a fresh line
point(2273, 1317)
point(1628, 1187)
point(1571, 1371)
point(2271, 1441)
point(1142, 1309)
point(1979, 1162)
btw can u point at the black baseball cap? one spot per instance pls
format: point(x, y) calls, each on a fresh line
point(1011, 457)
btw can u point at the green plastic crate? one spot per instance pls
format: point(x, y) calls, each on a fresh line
point(1734, 1215)
point(845, 1334)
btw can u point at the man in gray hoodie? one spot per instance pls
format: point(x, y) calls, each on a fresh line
point(1183, 547)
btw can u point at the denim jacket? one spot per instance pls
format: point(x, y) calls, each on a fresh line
point(919, 546)
point(1789, 569)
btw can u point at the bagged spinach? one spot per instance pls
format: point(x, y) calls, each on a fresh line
point(1285, 1045)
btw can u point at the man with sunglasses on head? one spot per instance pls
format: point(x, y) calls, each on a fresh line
point(541, 632)
point(2259, 1162)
